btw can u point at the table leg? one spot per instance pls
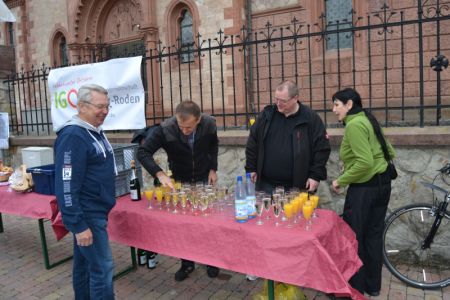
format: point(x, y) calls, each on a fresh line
point(271, 292)
point(1, 223)
point(48, 266)
point(129, 268)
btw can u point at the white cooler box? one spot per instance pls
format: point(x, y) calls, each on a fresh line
point(37, 156)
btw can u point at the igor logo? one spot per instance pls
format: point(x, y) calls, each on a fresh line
point(63, 98)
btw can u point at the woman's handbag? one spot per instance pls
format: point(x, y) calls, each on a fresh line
point(392, 171)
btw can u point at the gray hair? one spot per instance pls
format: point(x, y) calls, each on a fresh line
point(84, 92)
point(290, 85)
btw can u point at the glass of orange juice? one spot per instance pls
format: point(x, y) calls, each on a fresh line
point(307, 213)
point(175, 199)
point(315, 201)
point(149, 195)
point(159, 196)
point(289, 212)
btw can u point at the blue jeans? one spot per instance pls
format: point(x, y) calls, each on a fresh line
point(93, 265)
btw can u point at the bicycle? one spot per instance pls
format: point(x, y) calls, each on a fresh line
point(416, 240)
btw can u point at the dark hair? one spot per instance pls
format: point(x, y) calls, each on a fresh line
point(350, 94)
point(188, 108)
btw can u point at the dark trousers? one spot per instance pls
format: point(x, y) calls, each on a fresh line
point(365, 210)
point(93, 265)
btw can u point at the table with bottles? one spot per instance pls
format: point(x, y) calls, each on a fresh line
point(286, 239)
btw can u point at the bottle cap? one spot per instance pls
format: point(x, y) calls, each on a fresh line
point(133, 164)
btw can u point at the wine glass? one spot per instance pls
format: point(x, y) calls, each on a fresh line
point(276, 212)
point(283, 201)
point(259, 208)
point(149, 195)
point(167, 198)
point(266, 203)
point(307, 212)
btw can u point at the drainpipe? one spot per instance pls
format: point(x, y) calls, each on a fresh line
point(250, 61)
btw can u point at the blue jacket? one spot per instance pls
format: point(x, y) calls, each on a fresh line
point(84, 174)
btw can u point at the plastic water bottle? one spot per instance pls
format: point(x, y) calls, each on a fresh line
point(251, 198)
point(240, 202)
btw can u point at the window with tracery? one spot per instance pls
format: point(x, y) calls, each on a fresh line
point(59, 50)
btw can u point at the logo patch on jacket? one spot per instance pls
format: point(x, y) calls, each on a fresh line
point(67, 172)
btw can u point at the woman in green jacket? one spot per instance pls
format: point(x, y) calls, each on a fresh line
point(369, 181)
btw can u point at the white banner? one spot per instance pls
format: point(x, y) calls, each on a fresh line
point(4, 130)
point(121, 77)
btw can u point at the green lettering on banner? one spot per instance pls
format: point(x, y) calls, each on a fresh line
point(62, 100)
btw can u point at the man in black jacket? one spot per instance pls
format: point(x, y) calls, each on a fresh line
point(191, 143)
point(288, 145)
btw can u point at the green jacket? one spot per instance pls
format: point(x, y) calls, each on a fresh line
point(360, 151)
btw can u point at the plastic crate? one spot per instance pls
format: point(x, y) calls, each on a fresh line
point(123, 154)
point(123, 181)
point(44, 179)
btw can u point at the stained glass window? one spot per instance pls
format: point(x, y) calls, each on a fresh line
point(339, 11)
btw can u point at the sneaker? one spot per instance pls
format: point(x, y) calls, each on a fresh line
point(251, 277)
point(373, 294)
point(152, 260)
point(183, 272)
point(212, 272)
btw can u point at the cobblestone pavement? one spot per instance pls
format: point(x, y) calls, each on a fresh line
point(23, 275)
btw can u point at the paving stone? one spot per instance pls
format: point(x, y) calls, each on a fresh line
point(24, 277)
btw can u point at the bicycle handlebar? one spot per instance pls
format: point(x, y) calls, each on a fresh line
point(445, 169)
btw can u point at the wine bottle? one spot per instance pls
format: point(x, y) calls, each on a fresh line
point(142, 257)
point(135, 187)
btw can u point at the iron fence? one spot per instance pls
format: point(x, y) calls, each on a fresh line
point(396, 59)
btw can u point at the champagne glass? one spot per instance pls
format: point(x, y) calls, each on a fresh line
point(204, 201)
point(315, 201)
point(149, 195)
point(276, 212)
point(266, 202)
point(177, 185)
point(307, 212)
point(174, 196)
point(194, 201)
point(159, 196)
point(259, 208)
point(183, 201)
point(275, 198)
point(279, 190)
point(289, 212)
point(283, 202)
point(167, 199)
point(211, 199)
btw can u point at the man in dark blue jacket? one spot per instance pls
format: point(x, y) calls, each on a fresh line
point(85, 191)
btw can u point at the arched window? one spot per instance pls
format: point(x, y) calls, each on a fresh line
point(186, 36)
point(59, 53)
point(63, 51)
point(10, 34)
point(338, 13)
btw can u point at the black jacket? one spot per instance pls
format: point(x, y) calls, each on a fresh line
point(310, 142)
point(186, 164)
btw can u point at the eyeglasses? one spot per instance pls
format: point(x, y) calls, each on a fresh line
point(284, 101)
point(99, 106)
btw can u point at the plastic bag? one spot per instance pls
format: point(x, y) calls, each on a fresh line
point(283, 291)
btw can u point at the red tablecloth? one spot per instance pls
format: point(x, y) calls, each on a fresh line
point(323, 259)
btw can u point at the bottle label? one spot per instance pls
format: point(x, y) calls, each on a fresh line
point(134, 195)
point(241, 210)
point(251, 206)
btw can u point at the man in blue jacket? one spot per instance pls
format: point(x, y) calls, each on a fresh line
point(85, 190)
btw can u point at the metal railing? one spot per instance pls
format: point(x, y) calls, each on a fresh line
point(395, 61)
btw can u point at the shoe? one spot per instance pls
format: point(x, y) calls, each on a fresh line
point(183, 272)
point(373, 294)
point(152, 260)
point(251, 277)
point(212, 271)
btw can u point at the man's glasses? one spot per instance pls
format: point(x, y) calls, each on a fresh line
point(99, 106)
point(283, 101)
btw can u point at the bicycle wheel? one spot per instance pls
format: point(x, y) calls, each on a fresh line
point(404, 232)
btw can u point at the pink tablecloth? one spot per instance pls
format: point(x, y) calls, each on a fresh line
point(323, 259)
point(31, 205)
